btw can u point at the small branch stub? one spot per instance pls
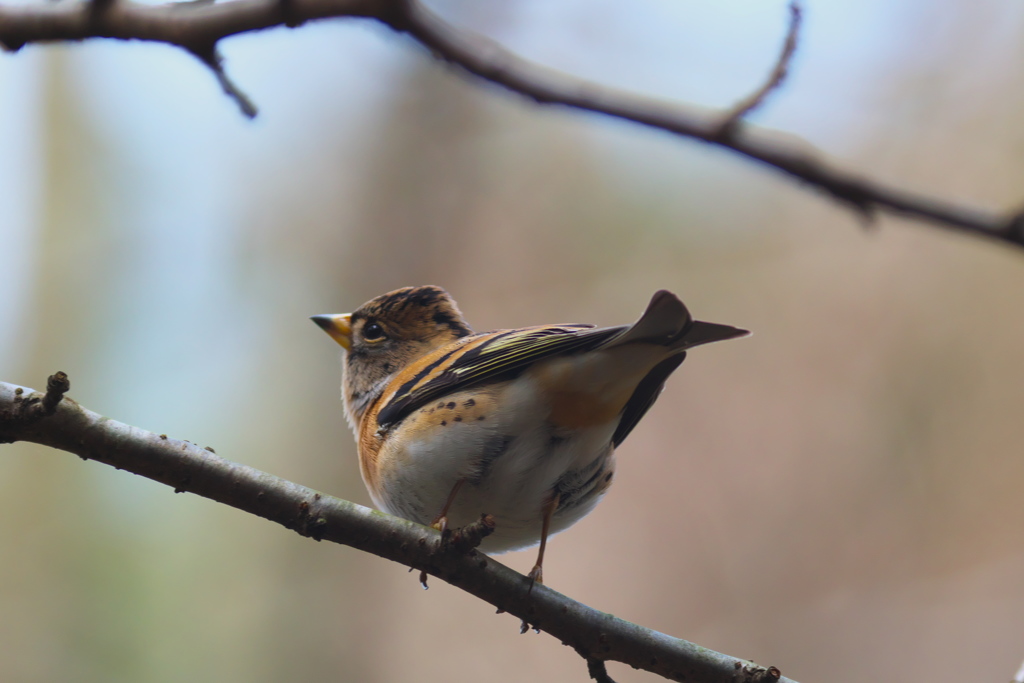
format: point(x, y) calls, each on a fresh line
point(760, 674)
point(56, 386)
point(27, 409)
point(466, 538)
point(597, 670)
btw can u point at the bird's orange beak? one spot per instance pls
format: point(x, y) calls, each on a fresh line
point(338, 326)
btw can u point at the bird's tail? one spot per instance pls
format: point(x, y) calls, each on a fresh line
point(666, 321)
point(699, 332)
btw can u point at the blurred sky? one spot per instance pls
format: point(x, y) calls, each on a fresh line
point(837, 496)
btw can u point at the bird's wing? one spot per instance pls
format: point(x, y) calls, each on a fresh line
point(503, 356)
point(644, 396)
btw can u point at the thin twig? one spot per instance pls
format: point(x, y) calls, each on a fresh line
point(190, 468)
point(778, 75)
point(211, 57)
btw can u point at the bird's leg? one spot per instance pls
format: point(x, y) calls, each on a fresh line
point(441, 521)
point(537, 573)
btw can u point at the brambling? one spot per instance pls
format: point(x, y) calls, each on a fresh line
point(521, 424)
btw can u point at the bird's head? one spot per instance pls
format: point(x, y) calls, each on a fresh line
point(387, 333)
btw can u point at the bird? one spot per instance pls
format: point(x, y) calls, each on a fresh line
point(521, 423)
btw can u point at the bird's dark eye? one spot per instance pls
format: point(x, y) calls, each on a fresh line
point(373, 332)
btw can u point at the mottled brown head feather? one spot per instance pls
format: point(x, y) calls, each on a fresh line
point(391, 331)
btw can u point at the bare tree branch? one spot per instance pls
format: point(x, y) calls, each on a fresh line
point(61, 423)
point(486, 59)
point(197, 26)
point(775, 79)
point(185, 24)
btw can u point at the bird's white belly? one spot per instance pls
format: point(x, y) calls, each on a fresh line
point(512, 461)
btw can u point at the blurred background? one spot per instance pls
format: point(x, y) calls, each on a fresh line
point(838, 495)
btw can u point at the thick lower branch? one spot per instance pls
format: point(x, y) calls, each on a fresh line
point(188, 467)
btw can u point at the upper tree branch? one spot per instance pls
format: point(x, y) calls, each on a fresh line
point(197, 27)
point(59, 422)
